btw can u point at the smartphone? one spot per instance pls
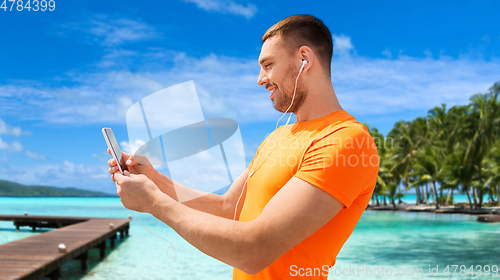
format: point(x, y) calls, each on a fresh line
point(109, 136)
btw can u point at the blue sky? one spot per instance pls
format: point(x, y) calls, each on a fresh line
point(66, 74)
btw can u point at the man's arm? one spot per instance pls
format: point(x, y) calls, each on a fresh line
point(211, 203)
point(218, 205)
point(298, 210)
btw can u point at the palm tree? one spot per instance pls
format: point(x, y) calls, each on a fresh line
point(457, 172)
point(484, 119)
point(455, 149)
point(428, 168)
point(392, 192)
point(491, 172)
point(408, 138)
point(450, 186)
point(439, 123)
point(383, 152)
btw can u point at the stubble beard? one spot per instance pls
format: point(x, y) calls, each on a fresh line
point(283, 97)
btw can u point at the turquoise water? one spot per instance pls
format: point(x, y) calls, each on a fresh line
point(388, 240)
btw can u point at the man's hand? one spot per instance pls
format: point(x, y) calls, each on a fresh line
point(137, 192)
point(297, 211)
point(135, 166)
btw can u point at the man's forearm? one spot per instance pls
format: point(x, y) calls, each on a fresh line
point(231, 242)
point(202, 201)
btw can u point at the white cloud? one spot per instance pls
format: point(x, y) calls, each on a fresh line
point(9, 130)
point(226, 7)
point(128, 148)
point(66, 174)
point(35, 155)
point(116, 57)
point(104, 97)
point(227, 86)
point(3, 145)
point(384, 87)
point(342, 45)
point(110, 31)
point(8, 173)
point(6, 129)
point(14, 146)
point(387, 53)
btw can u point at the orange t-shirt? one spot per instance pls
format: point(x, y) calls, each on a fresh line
point(334, 153)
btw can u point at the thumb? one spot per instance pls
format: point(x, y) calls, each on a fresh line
point(140, 159)
point(117, 177)
point(130, 160)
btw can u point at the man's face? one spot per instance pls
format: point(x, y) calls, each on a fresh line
point(278, 73)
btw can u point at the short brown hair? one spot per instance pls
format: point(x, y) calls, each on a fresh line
point(305, 30)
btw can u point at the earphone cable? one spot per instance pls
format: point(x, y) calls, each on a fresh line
point(258, 157)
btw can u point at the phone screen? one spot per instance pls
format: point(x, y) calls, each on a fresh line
point(109, 136)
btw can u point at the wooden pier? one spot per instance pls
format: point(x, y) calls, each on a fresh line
point(39, 256)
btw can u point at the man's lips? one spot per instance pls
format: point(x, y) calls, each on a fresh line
point(273, 90)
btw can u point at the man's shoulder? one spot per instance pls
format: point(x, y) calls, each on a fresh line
point(345, 128)
point(347, 137)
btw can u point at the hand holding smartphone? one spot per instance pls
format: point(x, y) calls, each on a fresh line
point(114, 149)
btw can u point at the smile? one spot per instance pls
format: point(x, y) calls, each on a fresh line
point(272, 93)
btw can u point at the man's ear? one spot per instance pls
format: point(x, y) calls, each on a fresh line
point(307, 54)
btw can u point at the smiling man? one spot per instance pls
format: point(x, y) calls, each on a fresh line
point(290, 212)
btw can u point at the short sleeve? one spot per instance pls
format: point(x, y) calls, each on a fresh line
point(343, 162)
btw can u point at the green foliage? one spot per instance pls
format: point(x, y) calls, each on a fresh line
point(450, 149)
point(443, 200)
point(8, 188)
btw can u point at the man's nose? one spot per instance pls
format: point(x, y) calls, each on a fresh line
point(263, 79)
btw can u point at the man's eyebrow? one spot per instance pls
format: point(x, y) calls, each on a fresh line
point(264, 59)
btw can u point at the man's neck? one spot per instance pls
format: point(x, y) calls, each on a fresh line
point(320, 101)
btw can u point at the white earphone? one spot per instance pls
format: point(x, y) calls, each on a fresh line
point(304, 62)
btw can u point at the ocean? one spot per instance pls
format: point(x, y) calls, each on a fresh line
point(409, 244)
